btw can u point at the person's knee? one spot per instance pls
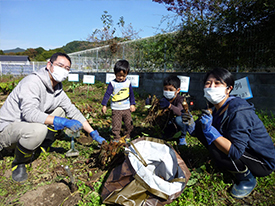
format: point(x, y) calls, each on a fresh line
point(35, 137)
point(180, 125)
point(59, 112)
point(42, 130)
point(178, 121)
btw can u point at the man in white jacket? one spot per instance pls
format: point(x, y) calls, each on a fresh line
point(35, 110)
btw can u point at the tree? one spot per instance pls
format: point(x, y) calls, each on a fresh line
point(31, 53)
point(228, 33)
point(238, 15)
point(39, 50)
point(44, 56)
point(191, 10)
point(108, 34)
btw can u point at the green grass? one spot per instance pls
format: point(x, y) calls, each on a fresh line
point(208, 184)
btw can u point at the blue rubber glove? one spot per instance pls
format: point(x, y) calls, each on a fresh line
point(210, 132)
point(59, 123)
point(95, 135)
point(164, 103)
point(188, 120)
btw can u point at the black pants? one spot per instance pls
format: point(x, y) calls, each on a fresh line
point(250, 159)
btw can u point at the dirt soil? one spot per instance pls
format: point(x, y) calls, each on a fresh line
point(61, 191)
point(48, 183)
point(50, 195)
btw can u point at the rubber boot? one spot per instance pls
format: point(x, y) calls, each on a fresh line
point(245, 184)
point(22, 156)
point(46, 145)
point(1, 150)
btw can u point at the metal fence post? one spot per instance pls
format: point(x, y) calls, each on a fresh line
point(97, 60)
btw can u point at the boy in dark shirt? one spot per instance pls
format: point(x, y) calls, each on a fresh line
point(173, 102)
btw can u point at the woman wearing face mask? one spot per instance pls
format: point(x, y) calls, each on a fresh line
point(233, 134)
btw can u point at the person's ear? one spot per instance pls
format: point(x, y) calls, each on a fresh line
point(178, 90)
point(229, 89)
point(49, 64)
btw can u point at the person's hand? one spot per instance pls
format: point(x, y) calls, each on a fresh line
point(148, 101)
point(59, 123)
point(210, 132)
point(132, 108)
point(164, 103)
point(188, 120)
point(95, 135)
point(104, 109)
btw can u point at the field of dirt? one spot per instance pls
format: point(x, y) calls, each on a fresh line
point(50, 185)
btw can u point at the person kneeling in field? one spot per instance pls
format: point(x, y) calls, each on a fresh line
point(173, 102)
point(35, 110)
point(233, 133)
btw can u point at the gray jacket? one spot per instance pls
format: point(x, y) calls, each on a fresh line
point(33, 99)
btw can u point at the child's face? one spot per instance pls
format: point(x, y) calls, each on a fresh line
point(121, 76)
point(170, 92)
point(170, 88)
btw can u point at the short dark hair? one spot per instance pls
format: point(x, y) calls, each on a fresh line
point(222, 75)
point(122, 65)
point(172, 80)
point(57, 54)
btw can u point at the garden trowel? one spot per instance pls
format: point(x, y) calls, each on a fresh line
point(72, 152)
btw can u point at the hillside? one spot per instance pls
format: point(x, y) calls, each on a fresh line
point(75, 46)
point(13, 50)
point(71, 47)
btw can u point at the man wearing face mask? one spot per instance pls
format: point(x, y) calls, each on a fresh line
point(234, 135)
point(35, 110)
point(173, 102)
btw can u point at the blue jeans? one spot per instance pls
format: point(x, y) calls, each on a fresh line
point(181, 127)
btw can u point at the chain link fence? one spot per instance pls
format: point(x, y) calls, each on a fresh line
point(252, 50)
point(103, 59)
point(20, 69)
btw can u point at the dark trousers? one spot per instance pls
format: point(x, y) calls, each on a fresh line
point(181, 127)
point(117, 117)
point(174, 125)
point(250, 159)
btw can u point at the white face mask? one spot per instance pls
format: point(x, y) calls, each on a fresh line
point(59, 74)
point(168, 94)
point(215, 95)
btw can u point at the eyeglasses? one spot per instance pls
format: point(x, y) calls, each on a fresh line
point(62, 66)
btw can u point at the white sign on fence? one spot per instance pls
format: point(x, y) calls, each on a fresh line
point(110, 77)
point(73, 78)
point(242, 88)
point(88, 79)
point(134, 79)
point(184, 83)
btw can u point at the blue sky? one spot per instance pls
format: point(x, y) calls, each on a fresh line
point(52, 24)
